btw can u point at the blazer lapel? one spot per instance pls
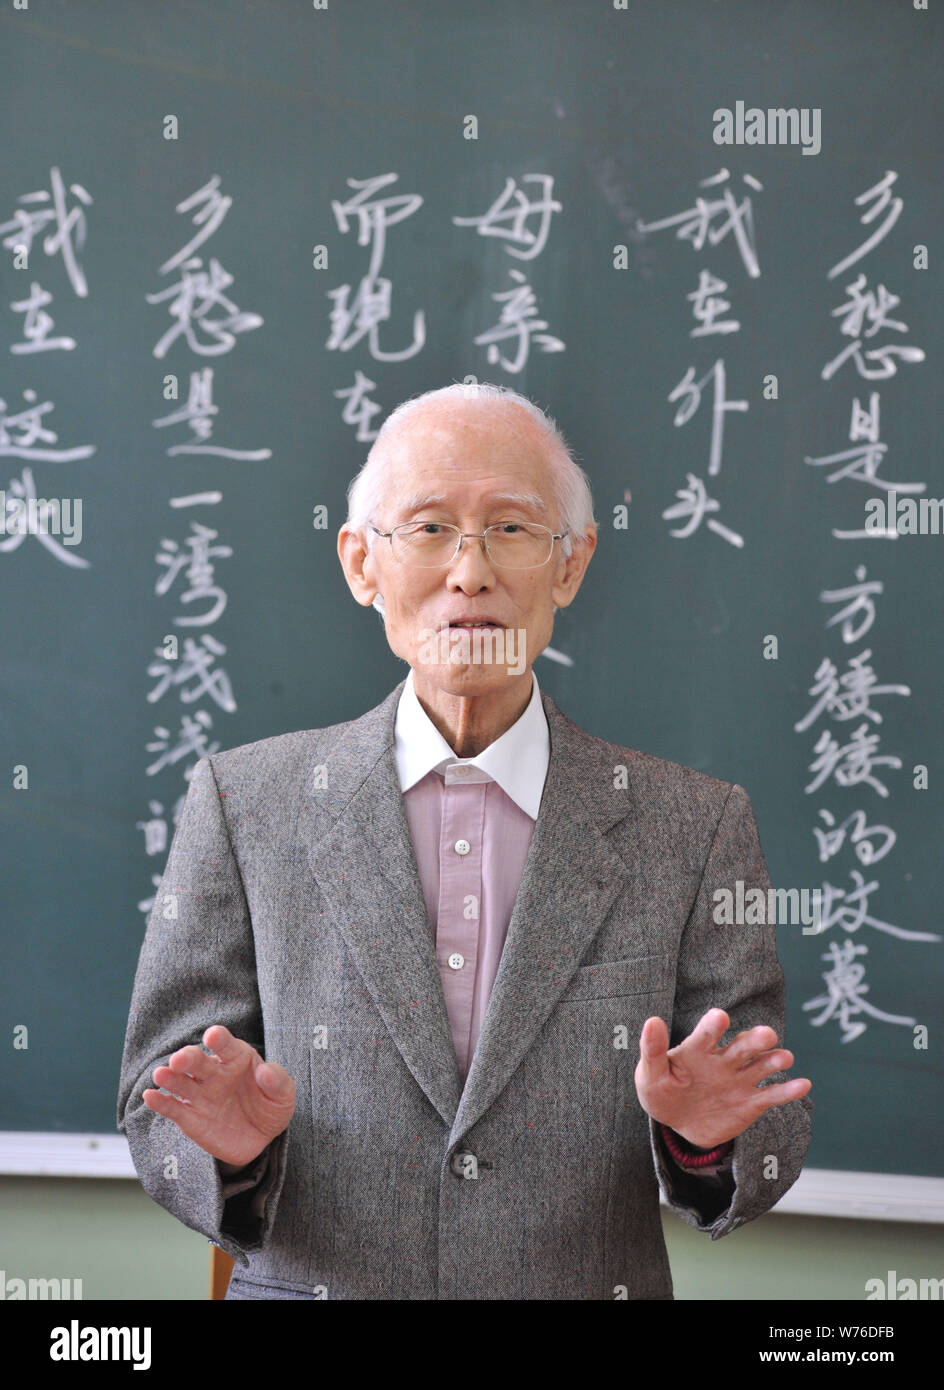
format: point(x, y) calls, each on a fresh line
point(571, 879)
point(366, 869)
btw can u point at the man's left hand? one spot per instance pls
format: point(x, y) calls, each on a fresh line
point(706, 1093)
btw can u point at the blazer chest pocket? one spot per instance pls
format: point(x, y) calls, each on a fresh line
point(613, 978)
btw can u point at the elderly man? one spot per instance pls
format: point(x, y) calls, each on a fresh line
point(462, 1000)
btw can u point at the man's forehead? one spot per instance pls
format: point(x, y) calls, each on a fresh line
point(440, 429)
point(421, 498)
point(434, 457)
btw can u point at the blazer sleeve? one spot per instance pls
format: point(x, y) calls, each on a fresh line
point(734, 968)
point(197, 967)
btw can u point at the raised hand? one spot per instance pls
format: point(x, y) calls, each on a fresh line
point(233, 1104)
point(706, 1093)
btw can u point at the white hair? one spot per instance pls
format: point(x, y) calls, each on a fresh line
point(571, 499)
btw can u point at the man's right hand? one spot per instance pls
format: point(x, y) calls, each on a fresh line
point(233, 1104)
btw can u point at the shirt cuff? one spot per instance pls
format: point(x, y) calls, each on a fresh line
point(694, 1160)
point(246, 1177)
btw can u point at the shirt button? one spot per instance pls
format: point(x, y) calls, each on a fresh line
point(462, 847)
point(456, 961)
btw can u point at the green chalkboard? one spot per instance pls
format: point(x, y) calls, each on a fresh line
point(304, 215)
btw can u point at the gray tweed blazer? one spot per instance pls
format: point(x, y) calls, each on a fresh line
point(301, 926)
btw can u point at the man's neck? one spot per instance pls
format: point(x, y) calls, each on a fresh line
point(470, 723)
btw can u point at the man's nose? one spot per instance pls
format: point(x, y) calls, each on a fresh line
point(471, 558)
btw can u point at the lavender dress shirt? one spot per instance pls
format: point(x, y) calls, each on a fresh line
point(471, 821)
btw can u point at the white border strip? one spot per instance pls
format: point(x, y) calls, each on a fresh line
point(866, 1196)
point(37, 1154)
point(817, 1191)
point(873, 1196)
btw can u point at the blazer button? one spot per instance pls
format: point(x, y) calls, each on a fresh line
point(464, 1164)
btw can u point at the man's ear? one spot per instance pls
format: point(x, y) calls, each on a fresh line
point(357, 564)
point(565, 590)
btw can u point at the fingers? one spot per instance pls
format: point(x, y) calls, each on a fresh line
point(221, 1041)
point(653, 1054)
point(195, 1062)
point(188, 1069)
point(709, 1030)
point(192, 1061)
point(272, 1075)
point(654, 1038)
point(746, 1046)
point(782, 1093)
point(778, 1059)
point(163, 1105)
point(179, 1082)
point(275, 1083)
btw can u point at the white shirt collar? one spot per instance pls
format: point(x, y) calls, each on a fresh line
point(517, 760)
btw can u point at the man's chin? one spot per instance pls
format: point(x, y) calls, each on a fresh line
point(465, 678)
